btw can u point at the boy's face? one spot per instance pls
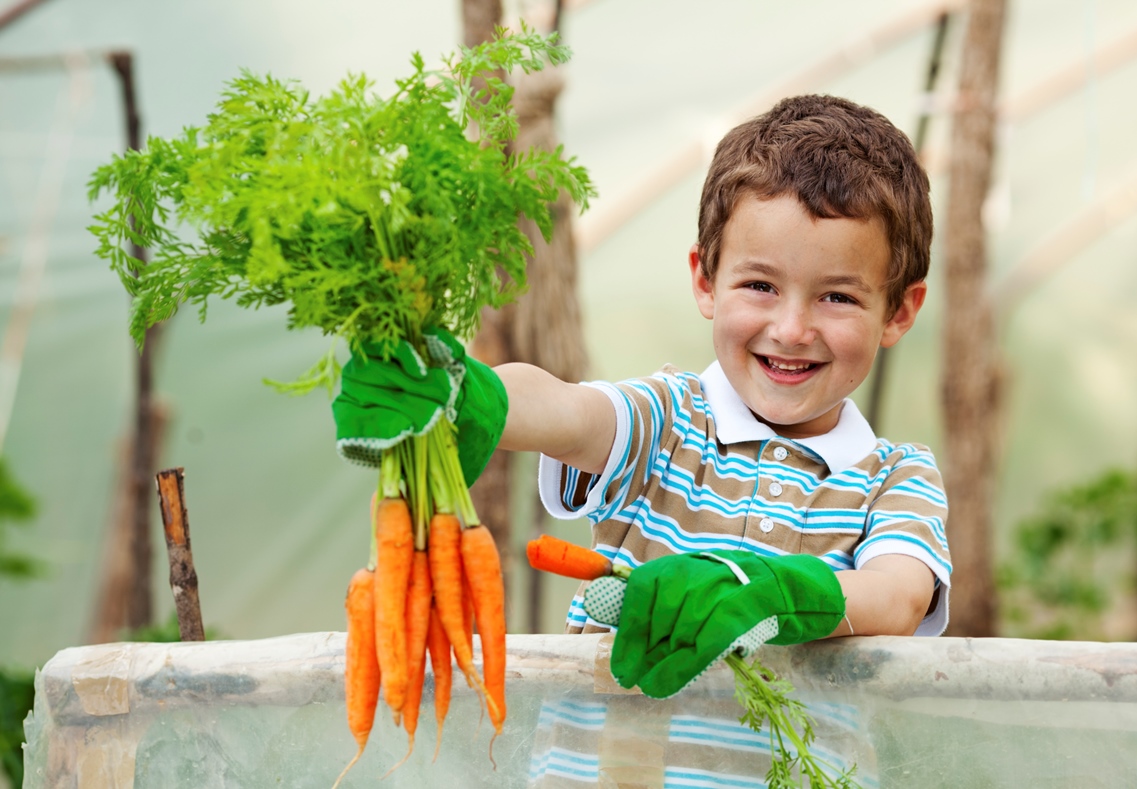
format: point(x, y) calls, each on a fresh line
point(799, 309)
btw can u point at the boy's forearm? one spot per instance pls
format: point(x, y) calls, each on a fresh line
point(573, 423)
point(889, 596)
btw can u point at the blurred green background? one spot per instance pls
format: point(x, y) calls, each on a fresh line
point(278, 521)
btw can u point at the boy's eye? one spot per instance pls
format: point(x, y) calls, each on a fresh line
point(840, 298)
point(761, 287)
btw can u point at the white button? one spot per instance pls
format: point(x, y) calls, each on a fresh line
point(775, 489)
point(766, 525)
point(780, 453)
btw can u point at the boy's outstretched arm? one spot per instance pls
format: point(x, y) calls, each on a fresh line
point(888, 596)
point(571, 423)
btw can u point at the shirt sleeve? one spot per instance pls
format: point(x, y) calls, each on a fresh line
point(908, 517)
point(644, 416)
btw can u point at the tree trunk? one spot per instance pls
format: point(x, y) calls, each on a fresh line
point(125, 598)
point(116, 601)
point(970, 389)
point(479, 20)
point(547, 328)
point(544, 326)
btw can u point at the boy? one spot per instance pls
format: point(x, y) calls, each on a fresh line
point(756, 486)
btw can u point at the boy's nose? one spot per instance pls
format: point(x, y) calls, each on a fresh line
point(792, 326)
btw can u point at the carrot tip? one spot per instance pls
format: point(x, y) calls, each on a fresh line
point(350, 764)
point(437, 744)
point(494, 737)
point(410, 747)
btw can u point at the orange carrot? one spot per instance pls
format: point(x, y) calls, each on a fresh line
point(395, 539)
point(483, 570)
point(564, 558)
point(361, 668)
point(439, 647)
point(418, 625)
point(467, 611)
point(446, 574)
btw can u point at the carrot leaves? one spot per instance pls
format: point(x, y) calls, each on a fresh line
point(370, 218)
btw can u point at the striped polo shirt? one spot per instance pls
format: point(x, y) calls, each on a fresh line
point(692, 469)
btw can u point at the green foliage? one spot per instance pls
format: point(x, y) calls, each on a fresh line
point(370, 218)
point(16, 508)
point(1073, 560)
point(17, 694)
point(765, 698)
point(166, 632)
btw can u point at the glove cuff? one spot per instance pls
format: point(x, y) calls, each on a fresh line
point(481, 410)
point(814, 600)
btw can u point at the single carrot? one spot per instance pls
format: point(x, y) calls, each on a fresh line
point(565, 558)
point(361, 668)
point(419, 600)
point(439, 646)
point(445, 541)
point(468, 627)
point(395, 556)
point(467, 611)
point(483, 570)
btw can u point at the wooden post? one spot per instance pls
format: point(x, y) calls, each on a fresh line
point(969, 375)
point(139, 610)
point(544, 327)
point(183, 577)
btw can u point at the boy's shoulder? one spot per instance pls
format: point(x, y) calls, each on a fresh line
point(889, 453)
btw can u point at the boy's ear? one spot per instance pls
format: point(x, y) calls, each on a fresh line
point(702, 287)
point(899, 324)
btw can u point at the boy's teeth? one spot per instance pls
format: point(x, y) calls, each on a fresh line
point(788, 367)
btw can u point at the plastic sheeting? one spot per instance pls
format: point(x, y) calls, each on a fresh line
point(913, 713)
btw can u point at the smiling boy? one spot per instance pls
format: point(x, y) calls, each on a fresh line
point(814, 240)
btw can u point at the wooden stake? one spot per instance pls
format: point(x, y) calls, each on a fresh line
point(970, 369)
point(183, 578)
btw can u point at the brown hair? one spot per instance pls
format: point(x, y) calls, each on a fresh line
point(838, 159)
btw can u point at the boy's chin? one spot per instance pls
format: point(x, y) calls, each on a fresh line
point(796, 425)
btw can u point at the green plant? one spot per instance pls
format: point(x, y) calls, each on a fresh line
point(1073, 560)
point(17, 507)
point(766, 699)
point(164, 632)
point(370, 218)
point(16, 685)
point(17, 693)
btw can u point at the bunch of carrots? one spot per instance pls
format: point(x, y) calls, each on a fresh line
point(434, 574)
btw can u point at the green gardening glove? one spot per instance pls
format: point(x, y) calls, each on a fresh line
point(681, 614)
point(382, 402)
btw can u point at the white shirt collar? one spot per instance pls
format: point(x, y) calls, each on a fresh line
point(843, 446)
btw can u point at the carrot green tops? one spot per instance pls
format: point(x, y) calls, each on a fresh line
point(691, 469)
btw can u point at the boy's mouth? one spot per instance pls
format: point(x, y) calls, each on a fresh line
point(785, 369)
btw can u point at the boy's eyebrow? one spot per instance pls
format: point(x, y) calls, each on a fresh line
point(837, 280)
point(847, 280)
